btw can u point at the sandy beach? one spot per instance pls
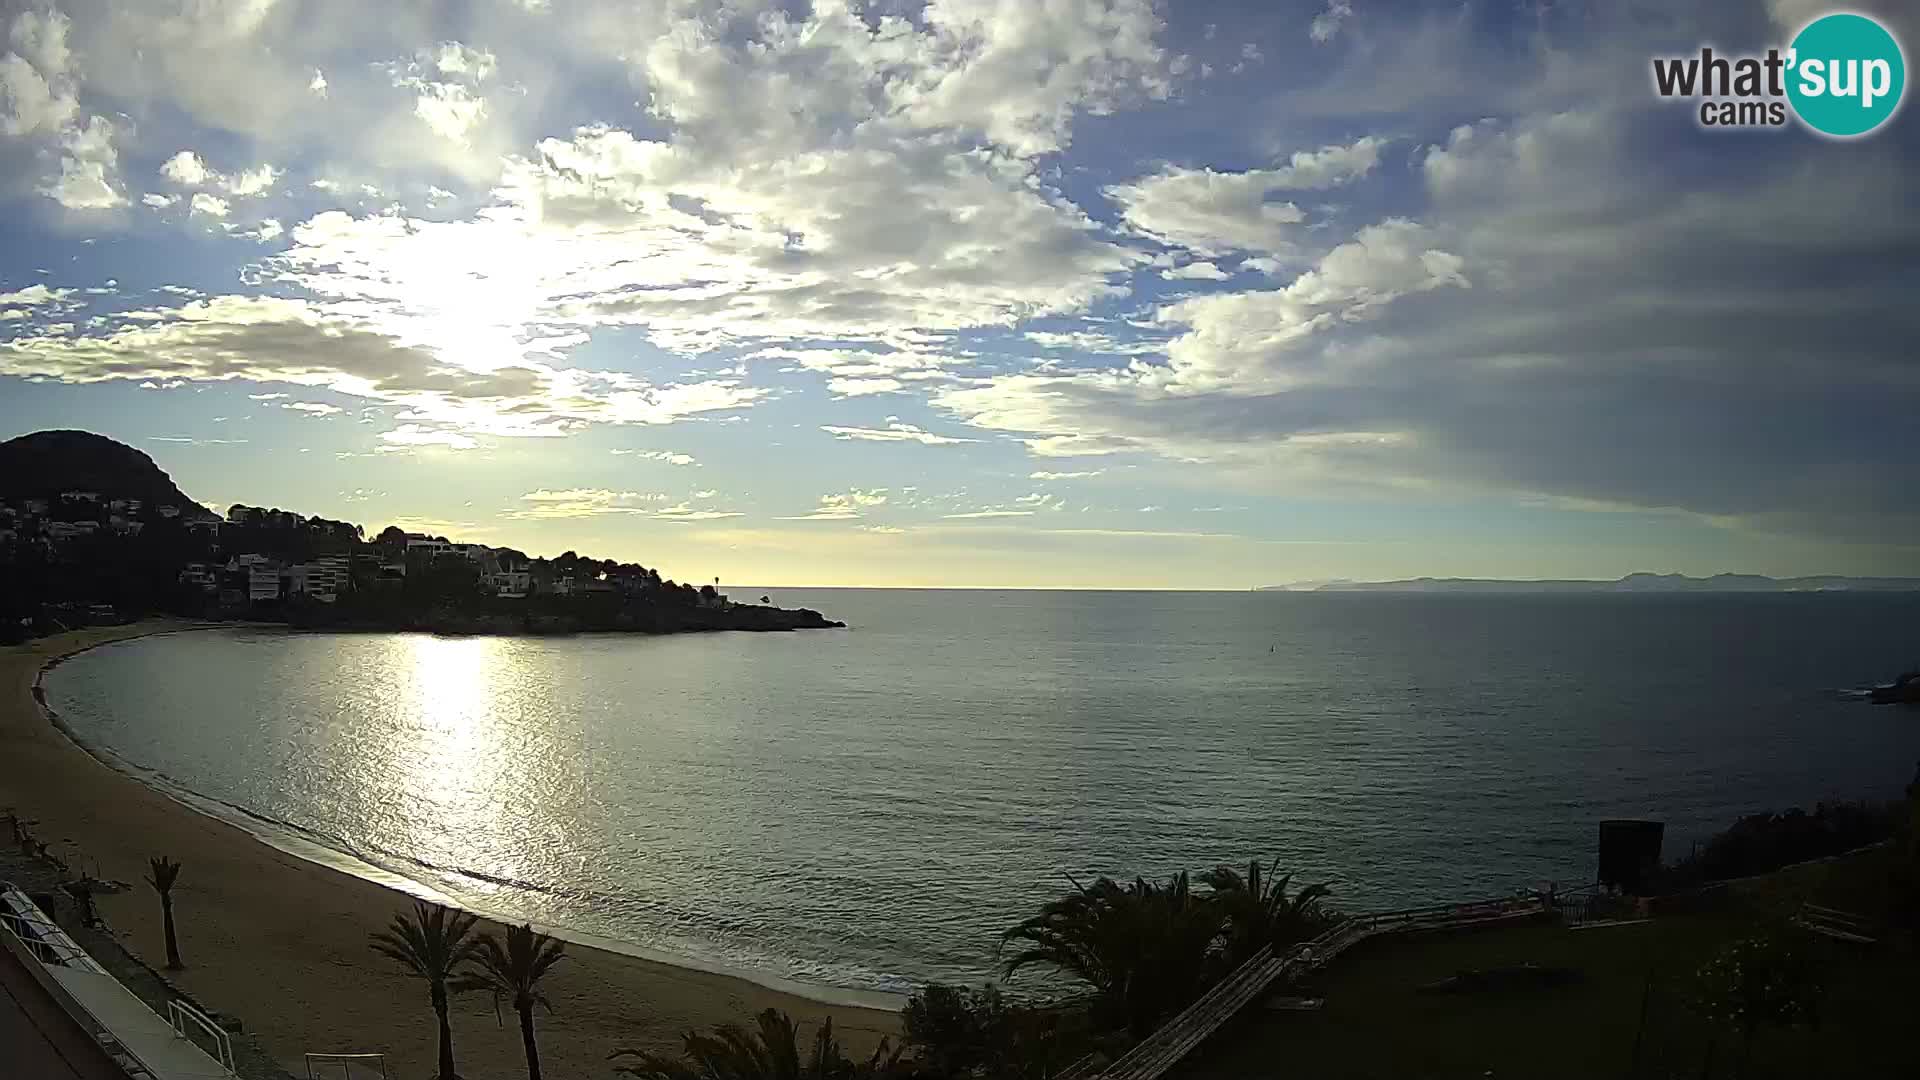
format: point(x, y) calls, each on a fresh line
point(281, 942)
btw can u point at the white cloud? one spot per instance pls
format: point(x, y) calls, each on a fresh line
point(864, 387)
point(190, 170)
point(450, 110)
point(250, 182)
point(272, 340)
point(894, 432)
point(158, 201)
point(990, 514)
point(1326, 25)
point(667, 456)
point(684, 512)
point(35, 295)
point(186, 169)
point(1215, 213)
point(37, 90)
point(206, 205)
point(843, 506)
point(1081, 475)
point(1196, 271)
point(411, 435)
point(89, 169)
point(313, 408)
point(584, 502)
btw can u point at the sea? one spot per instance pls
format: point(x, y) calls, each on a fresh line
point(856, 812)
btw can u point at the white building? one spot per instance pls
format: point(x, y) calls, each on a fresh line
point(263, 581)
point(513, 584)
point(324, 579)
point(426, 545)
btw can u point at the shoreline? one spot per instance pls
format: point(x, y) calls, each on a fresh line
point(313, 847)
point(273, 927)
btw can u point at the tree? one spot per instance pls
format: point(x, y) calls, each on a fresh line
point(1144, 949)
point(514, 972)
point(434, 944)
point(1258, 912)
point(959, 1032)
point(165, 873)
point(770, 1052)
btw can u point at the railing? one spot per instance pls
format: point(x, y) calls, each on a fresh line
point(182, 1015)
point(50, 946)
point(40, 935)
point(345, 1061)
point(1164, 1049)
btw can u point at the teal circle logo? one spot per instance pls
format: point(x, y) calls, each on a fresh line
point(1846, 75)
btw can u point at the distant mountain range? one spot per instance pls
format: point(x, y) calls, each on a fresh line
point(1632, 583)
point(46, 463)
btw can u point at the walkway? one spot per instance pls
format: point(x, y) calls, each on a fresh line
point(1163, 1049)
point(41, 1040)
point(48, 972)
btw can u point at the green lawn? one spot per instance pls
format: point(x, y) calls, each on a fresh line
point(1376, 1025)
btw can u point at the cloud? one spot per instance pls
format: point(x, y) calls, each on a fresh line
point(844, 506)
point(203, 204)
point(36, 295)
point(273, 340)
point(598, 502)
point(1081, 475)
point(684, 512)
point(411, 435)
point(89, 169)
point(989, 514)
point(667, 456)
point(1196, 271)
point(312, 408)
point(187, 169)
point(1550, 331)
point(583, 502)
point(1098, 342)
point(894, 432)
point(37, 89)
point(1326, 25)
point(1217, 213)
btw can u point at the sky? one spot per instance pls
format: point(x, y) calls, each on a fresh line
point(1050, 293)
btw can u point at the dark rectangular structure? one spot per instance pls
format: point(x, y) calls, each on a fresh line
point(1630, 853)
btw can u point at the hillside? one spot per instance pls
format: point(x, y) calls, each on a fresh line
point(46, 463)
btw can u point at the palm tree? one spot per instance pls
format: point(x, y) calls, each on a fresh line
point(433, 944)
point(165, 873)
point(514, 972)
point(770, 1052)
point(1145, 949)
point(1259, 912)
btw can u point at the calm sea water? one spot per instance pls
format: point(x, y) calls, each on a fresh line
point(868, 808)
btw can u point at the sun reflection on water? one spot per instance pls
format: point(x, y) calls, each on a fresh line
point(454, 749)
